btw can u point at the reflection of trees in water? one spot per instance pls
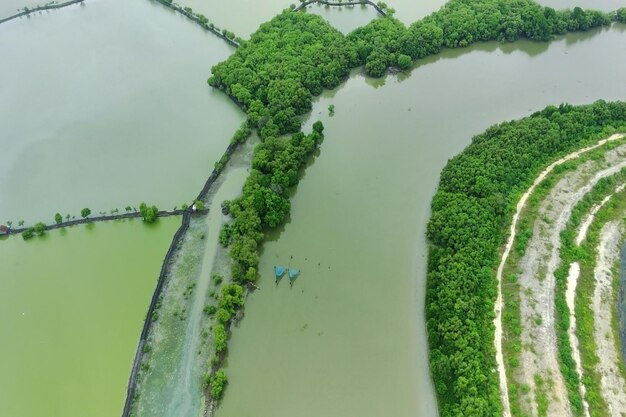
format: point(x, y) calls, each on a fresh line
point(530, 48)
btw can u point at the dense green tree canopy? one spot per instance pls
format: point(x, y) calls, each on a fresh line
point(460, 23)
point(287, 61)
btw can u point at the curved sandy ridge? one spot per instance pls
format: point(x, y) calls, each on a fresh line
point(540, 368)
point(611, 381)
point(570, 295)
point(507, 249)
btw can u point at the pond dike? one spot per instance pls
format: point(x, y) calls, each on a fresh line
point(28, 11)
point(197, 20)
point(348, 3)
point(105, 218)
point(172, 252)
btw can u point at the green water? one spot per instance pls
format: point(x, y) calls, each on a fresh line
point(72, 306)
point(349, 338)
point(106, 105)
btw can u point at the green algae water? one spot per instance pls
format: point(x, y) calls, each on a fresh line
point(106, 105)
point(72, 304)
point(349, 338)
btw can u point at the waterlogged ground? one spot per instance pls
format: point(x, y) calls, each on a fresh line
point(72, 305)
point(106, 105)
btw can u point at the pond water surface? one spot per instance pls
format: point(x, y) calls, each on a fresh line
point(72, 305)
point(106, 105)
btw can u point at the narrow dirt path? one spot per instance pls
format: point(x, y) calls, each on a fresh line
point(507, 249)
point(603, 304)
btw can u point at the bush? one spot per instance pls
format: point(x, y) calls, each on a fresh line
point(225, 235)
point(218, 382)
point(84, 213)
point(40, 228)
point(199, 205)
point(222, 316)
point(217, 279)
point(148, 214)
point(28, 233)
point(404, 62)
point(219, 338)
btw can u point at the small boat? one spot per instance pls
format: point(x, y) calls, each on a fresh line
point(279, 271)
point(293, 274)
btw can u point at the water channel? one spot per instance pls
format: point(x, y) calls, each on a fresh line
point(345, 340)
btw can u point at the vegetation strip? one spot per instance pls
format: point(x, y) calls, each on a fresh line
point(512, 235)
point(551, 307)
point(49, 6)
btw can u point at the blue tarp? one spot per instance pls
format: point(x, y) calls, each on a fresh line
point(279, 271)
point(293, 273)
